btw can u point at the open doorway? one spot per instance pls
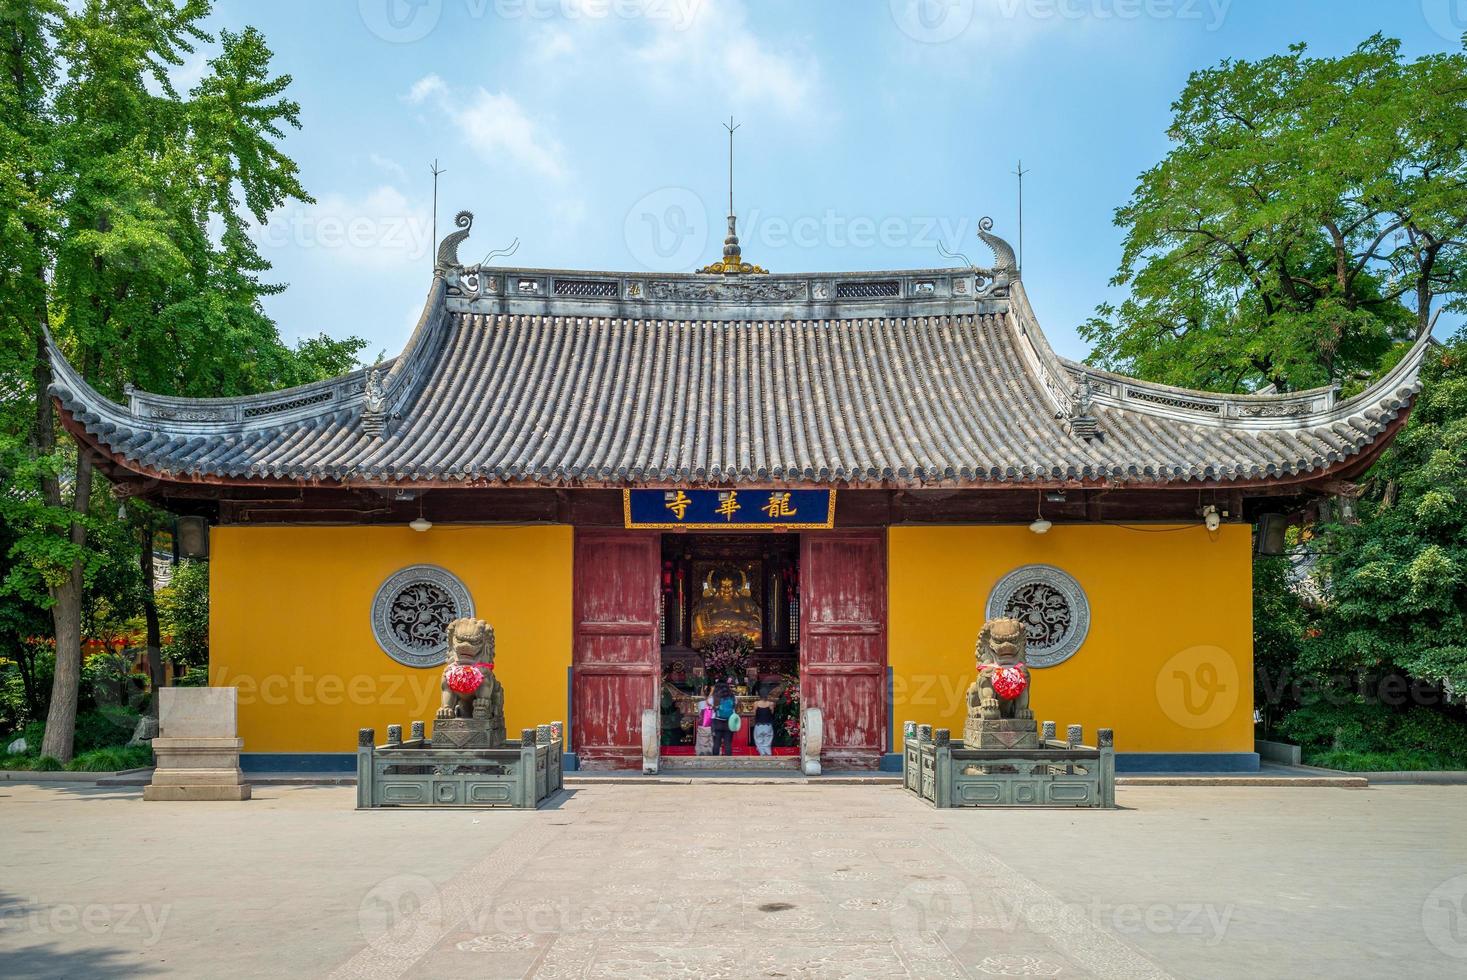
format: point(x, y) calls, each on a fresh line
point(729, 617)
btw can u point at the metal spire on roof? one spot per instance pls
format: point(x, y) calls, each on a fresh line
point(730, 126)
point(1019, 173)
point(732, 262)
point(435, 172)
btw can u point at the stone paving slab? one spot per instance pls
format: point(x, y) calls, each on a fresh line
point(708, 880)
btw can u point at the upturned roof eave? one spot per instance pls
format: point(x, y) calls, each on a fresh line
point(161, 422)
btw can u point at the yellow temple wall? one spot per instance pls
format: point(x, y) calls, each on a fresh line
point(1167, 663)
point(290, 626)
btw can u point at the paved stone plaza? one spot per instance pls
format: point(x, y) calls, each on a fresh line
point(719, 880)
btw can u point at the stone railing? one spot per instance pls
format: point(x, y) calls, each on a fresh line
point(524, 773)
point(1057, 773)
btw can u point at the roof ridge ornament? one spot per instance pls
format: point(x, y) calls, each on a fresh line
point(374, 402)
point(448, 248)
point(1005, 265)
point(1082, 421)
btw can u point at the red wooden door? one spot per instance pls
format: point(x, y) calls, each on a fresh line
point(615, 663)
point(843, 642)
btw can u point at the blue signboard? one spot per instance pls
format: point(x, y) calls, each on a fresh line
point(707, 509)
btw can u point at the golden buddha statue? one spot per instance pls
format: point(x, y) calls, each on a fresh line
point(726, 608)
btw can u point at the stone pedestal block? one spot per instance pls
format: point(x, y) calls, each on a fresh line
point(1001, 733)
point(197, 748)
point(196, 794)
point(464, 733)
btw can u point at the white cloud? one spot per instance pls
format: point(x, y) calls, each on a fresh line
point(719, 49)
point(692, 50)
point(388, 165)
point(551, 44)
point(185, 76)
point(495, 126)
point(423, 88)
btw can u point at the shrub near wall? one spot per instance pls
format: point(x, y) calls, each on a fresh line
point(1357, 734)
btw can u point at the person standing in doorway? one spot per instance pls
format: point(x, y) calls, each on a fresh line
point(723, 709)
point(703, 737)
point(764, 725)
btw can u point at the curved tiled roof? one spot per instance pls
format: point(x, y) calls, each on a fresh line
point(928, 378)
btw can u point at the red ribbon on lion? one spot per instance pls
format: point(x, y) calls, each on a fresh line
point(463, 678)
point(1009, 680)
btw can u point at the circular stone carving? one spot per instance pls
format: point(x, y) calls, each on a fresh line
point(1052, 607)
point(412, 610)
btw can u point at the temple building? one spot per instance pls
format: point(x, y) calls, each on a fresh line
point(819, 485)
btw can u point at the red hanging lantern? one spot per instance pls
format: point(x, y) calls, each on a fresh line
point(1009, 682)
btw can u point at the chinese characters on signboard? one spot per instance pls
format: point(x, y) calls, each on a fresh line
point(792, 509)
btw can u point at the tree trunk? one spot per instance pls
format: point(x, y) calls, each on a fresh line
point(156, 678)
point(60, 739)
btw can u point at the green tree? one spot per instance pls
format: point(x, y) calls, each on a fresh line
point(185, 610)
point(1397, 580)
point(1309, 215)
point(111, 183)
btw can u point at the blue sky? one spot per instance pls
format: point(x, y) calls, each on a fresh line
point(871, 130)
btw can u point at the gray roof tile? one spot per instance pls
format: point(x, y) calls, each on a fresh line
point(962, 394)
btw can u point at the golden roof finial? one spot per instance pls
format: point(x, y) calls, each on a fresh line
point(732, 263)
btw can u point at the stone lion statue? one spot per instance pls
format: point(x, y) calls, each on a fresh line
point(1001, 643)
point(470, 643)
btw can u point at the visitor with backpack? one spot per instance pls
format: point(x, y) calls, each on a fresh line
point(725, 719)
point(703, 737)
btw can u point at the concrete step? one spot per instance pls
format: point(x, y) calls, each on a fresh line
point(730, 763)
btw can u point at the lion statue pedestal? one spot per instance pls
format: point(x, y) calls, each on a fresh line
point(998, 701)
point(470, 717)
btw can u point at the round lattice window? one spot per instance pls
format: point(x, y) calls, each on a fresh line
point(1052, 607)
point(412, 610)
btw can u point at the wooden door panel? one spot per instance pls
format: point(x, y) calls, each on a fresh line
point(855, 717)
point(852, 575)
point(843, 642)
point(615, 660)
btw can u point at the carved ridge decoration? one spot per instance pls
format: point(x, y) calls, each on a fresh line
point(1211, 408)
point(274, 408)
point(1052, 606)
point(1273, 410)
point(411, 612)
point(188, 415)
point(732, 291)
